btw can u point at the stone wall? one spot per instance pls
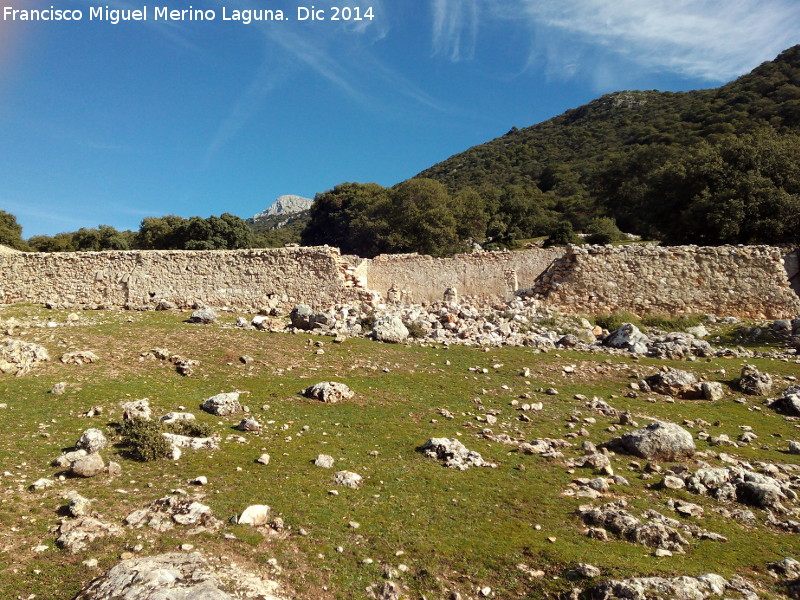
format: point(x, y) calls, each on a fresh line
point(489, 276)
point(749, 281)
point(745, 281)
point(248, 279)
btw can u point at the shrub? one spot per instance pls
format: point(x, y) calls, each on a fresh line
point(615, 320)
point(144, 440)
point(672, 323)
point(190, 428)
point(604, 230)
point(415, 330)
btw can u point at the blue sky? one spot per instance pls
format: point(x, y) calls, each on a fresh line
point(107, 124)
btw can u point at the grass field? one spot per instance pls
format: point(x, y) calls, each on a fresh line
point(454, 531)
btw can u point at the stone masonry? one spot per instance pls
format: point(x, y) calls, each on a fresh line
point(744, 281)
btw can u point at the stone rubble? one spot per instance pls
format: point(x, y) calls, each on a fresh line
point(328, 392)
point(453, 454)
point(222, 405)
point(19, 357)
point(179, 576)
point(167, 512)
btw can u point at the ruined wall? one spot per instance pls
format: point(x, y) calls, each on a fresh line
point(486, 275)
point(249, 279)
point(751, 281)
point(745, 281)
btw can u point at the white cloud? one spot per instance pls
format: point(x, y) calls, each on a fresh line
point(714, 40)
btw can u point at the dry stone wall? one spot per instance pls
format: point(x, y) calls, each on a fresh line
point(745, 281)
point(489, 276)
point(248, 279)
point(751, 281)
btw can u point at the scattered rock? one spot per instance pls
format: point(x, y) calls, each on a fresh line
point(347, 479)
point(674, 382)
point(713, 390)
point(754, 382)
point(325, 461)
point(628, 337)
point(167, 512)
point(263, 459)
point(58, 388)
point(79, 357)
point(176, 417)
point(91, 440)
point(390, 329)
point(203, 316)
point(454, 454)
point(255, 515)
point(88, 466)
point(686, 588)
point(329, 392)
point(249, 424)
point(19, 357)
point(75, 535)
point(137, 410)
point(659, 441)
point(222, 405)
point(179, 576)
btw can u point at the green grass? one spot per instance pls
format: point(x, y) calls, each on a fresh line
point(456, 530)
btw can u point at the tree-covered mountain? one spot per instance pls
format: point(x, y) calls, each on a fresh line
point(707, 166)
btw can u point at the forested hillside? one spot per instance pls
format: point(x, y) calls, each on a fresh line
point(708, 166)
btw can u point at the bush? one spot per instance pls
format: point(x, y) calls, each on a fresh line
point(615, 320)
point(681, 323)
point(561, 235)
point(190, 429)
point(144, 440)
point(604, 230)
point(415, 330)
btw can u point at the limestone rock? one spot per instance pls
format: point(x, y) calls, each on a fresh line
point(179, 576)
point(136, 410)
point(703, 587)
point(713, 390)
point(76, 534)
point(628, 337)
point(302, 317)
point(329, 392)
point(255, 515)
point(176, 417)
point(754, 382)
point(325, 461)
point(19, 357)
point(79, 357)
point(249, 424)
point(204, 316)
point(193, 443)
point(88, 466)
point(390, 329)
point(91, 440)
point(660, 441)
point(347, 479)
point(453, 453)
point(222, 405)
point(58, 388)
point(674, 382)
point(167, 512)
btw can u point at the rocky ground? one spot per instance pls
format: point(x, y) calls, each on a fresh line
point(438, 451)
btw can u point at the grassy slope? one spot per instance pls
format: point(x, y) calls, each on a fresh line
point(458, 530)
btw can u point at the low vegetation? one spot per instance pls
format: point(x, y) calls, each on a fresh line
point(512, 528)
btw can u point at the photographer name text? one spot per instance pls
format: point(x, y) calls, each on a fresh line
point(115, 16)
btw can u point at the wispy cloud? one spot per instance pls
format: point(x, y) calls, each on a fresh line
point(455, 28)
point(713, 40)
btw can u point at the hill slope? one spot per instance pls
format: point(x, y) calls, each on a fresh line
point(585, 157)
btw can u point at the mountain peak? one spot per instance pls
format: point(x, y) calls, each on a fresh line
point(285, 205)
